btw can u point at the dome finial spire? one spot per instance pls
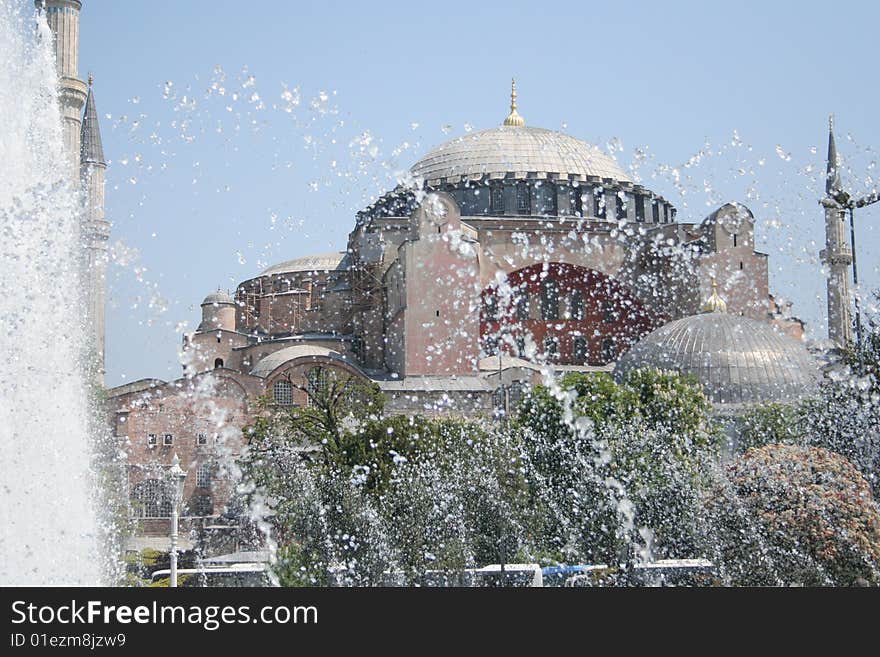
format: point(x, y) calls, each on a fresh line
point(514, 118)
point(715, 304)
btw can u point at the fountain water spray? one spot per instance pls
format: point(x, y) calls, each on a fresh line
point(49, 532)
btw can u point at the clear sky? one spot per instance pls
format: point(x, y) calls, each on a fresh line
point(245, 133)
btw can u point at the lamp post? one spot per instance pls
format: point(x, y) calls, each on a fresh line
point(850, 204)
point(176, 476)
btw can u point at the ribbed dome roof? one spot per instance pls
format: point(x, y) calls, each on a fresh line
point(219, 297)
point(736, 359)
point(320, 262)
point(519, 150)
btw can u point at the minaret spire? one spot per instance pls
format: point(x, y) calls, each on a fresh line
point(91, 148)
point(514, 119)
point(95, 227)
point(832, 178)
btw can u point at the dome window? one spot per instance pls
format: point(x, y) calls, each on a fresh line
point(523, 200)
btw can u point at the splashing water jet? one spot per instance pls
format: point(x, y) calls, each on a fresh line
point(49, 528)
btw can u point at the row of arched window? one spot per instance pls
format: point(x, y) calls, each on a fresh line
point(542, 197)
point(550, 305)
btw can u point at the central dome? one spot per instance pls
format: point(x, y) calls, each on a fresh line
point(519, 150)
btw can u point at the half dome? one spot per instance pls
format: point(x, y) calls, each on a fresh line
point(519, 150)
point(736, 359)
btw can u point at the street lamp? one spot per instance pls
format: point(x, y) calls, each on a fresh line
point(848, 203)
point(176, 477)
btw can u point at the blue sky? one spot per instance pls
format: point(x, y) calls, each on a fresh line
point(282, 119)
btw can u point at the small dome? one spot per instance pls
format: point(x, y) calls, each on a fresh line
point(519, 150)
point(320, 262)
point(218, 298)
point(736, 359)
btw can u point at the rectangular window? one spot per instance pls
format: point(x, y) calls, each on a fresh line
point(655, 212)
point(523, 202)
point(168, 440)
point(282, 393)
point(204, 475)
point(496, 199)
point(202, 439)
point(203, 505)
point(520, 346)
point(734, 240)
point(640, 208)
point(152, 439)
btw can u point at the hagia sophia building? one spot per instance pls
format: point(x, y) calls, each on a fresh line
point(513, 253)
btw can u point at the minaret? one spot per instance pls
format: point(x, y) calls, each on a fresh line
point(837, 254)
point(82, 140)
point(95, 228)
point(63, 18)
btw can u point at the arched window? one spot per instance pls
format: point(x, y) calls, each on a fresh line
point(515, 393)
point(581, 202)
point(496, 199)
point(580, 350)
point(490, 307)
point(545, 197)
point(499, 399)
point(576, 305)
point(549, 299)
point(609, 313)
point(282, 393)
point(551, 347)
point(151, 498)
point(218, 362)
point(599, 203)
point(523, 200)
point(522, 305)
point(317, 382)
point(609, 351)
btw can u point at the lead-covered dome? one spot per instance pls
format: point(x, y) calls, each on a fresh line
point(317, 263)
point(736, 359)
point(520, 150)
point(218, 298)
